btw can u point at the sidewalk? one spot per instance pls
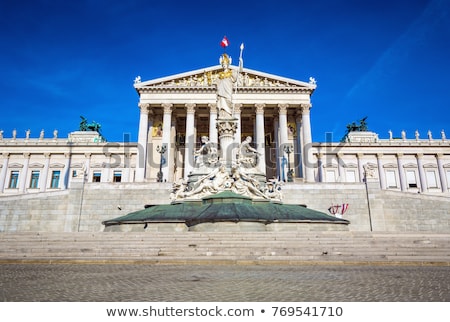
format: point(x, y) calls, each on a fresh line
point(223, 283)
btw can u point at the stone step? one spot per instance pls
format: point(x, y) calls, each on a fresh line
point(228, 247)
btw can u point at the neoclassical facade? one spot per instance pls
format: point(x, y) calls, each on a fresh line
point(178, 110)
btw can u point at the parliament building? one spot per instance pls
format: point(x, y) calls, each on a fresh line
point(74, 183)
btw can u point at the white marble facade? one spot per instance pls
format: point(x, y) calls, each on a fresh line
point(176, 111)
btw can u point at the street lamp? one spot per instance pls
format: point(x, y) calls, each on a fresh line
point(161, 150)
point(288, 149)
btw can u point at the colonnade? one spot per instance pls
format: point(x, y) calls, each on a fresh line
point(280, 128)
point(402, 165)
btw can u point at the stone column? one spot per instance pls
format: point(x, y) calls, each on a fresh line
point(276, 139)
point(106, 175)
point(212, 123)
point(65, 176)
point(126, 166)
point(260, 137)
point(360, 166)
point(401, 172)
point(283, 123)
point(441, 170)
point(298, 146)
point(307, 141)
point(4, 171)
point(237, 116)
point(190, 140)
point(341, 171)
point(44, 177)
point(283, 130)
point(87, 167)
point(24, 173)
point(422, 177)
point(141, 162)
point(320, 167)
point(166, 140)
point(380, 171)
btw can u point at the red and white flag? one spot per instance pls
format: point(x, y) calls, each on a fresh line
point(344, 208)
point(224, 43)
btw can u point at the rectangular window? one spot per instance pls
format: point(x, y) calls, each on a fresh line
point(117, 176)
point(14, 180)
point(97, 176)
point(411, 178)
point(34, 179)
point(55, 179)
point(351, 175)
point(431, 179)
point(331, 176)
point(391, 180)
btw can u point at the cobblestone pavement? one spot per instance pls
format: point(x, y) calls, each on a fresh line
point(217, 283)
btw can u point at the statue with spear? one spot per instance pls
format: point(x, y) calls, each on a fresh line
point(227, 77)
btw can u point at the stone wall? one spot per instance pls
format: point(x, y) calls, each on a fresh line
point(79, 208)
point(83, 208)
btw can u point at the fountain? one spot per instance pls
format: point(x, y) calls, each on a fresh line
point(226, 185)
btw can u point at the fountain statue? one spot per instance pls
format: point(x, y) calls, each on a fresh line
point(226, 183)
point(233, 171)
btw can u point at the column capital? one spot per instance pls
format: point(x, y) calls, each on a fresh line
point(26, 155)
point(282, 109)
point(260, 108)
point(237, 108)
point(419, 155)
point(359, 155)
point(144, 107)
point(340, 155)
point(380, 155)
point(305, 108)
point(87, 155)
point(6, 155)
point(399, 155)
point(47, 155)
point(167, 108)
point(439, 155)
point(190, 108)
point(212, 107)
point(67, 155)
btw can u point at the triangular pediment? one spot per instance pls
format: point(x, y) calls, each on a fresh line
point(206, 78)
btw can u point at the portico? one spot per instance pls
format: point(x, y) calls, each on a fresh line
point(178, 110)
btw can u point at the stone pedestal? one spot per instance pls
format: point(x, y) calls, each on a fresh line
point(226, 129)
point(85, 137)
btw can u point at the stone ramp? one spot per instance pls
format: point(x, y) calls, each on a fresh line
point(326, 247)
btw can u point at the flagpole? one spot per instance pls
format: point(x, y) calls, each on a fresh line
point(239, 71)
point(240, 67)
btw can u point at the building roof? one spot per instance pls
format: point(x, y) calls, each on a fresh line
point(199, 78)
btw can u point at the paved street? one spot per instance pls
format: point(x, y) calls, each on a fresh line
point(217, 283)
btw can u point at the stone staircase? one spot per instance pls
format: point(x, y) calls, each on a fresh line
point(326, 247)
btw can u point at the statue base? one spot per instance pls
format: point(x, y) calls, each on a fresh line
point(85, 137)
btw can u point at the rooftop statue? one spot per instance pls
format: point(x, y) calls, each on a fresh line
point(353, 127)
point(85, 126)
point(93, 126)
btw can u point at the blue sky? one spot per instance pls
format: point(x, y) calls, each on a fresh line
point(387, 60)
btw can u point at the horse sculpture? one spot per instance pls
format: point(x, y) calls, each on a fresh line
point(85, 126)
